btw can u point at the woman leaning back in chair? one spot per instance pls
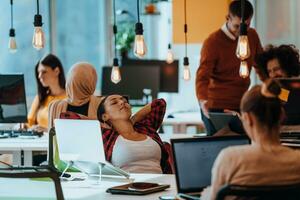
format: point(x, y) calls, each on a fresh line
point(132, 143)
point(265, 161)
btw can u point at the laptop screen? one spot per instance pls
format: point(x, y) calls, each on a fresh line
point(194, 158)
point(292, 106)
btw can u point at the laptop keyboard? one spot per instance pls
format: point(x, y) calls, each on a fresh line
point(19, 133)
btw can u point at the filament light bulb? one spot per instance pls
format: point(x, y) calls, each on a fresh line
point(38, 40)
point(243, 49)
point(115, 72)
point(186, 69)
point(170, 56)
point(12, 44)
point(140, 48)
point(244, 70)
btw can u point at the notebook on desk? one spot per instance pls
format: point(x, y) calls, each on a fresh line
point(80, 142)
point(194, 158)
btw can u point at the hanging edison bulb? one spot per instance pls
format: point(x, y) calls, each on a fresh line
point(186, 69)
point(244, 70)
point(243, 48)
point(12, 44)
point(140, 48)
point(170, 56)
point(115, 72)
point(38, 39)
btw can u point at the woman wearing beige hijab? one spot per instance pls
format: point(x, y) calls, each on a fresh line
point(80, 87)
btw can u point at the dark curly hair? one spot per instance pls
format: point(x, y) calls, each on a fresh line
point(287, 55)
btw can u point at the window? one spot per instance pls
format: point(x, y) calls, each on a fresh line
point(26, 57)
point(81, 33)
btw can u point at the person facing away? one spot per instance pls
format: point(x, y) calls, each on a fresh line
point(218, 84)
point(80, 87)
point(265, 161)
point(50, 78)
point(132, 143)
point(279, 61)
point(80, 101)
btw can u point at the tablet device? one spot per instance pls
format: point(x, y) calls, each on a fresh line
point(220, 119)
point(137, 188)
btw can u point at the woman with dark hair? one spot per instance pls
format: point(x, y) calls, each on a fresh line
point(279, 62)
point(265, 161)
point(50, 78)
point(132, 143)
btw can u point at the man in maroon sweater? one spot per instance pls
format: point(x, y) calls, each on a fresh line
point(218, 84)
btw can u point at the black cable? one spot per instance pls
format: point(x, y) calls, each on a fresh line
point(115, 27)
point(138, 9)
point(11, 14)
point(243, 10)
point(185, 29)
point(38, 7)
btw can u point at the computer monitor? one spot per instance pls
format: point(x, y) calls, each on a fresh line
point(12, 99)
point(194, 158)
point(168, 72)
point(134, 80)
point(292, 106)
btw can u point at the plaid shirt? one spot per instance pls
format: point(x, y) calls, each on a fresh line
point(148, 126)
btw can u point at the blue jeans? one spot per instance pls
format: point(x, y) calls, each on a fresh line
point(210, 128)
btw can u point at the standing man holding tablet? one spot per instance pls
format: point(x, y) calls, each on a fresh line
point(218, 84)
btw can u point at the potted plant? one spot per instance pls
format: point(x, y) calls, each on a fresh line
point(125, 38)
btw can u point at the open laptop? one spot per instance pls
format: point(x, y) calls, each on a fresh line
point(80, 142)
point(292, 106)
point(194, 158)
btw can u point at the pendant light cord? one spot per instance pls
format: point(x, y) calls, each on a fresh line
point(11, 14)
point(185, 29)
point(37, 7)
point(138, 9)
point(115, 27)
point(243, 10)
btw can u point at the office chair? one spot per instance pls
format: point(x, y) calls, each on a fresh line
point(33, 172)
point(280, 192)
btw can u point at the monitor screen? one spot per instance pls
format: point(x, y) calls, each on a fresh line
point(292, 106)
point(134, 81)
point(168, 72)
point(194, 158)
point(12, 99)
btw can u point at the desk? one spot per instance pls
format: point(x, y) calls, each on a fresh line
point(181, 121)
point(22, 148)
point(82, 190)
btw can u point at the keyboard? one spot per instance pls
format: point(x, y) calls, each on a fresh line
point(19, 133)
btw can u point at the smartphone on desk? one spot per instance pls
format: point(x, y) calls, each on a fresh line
point(137, 188)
